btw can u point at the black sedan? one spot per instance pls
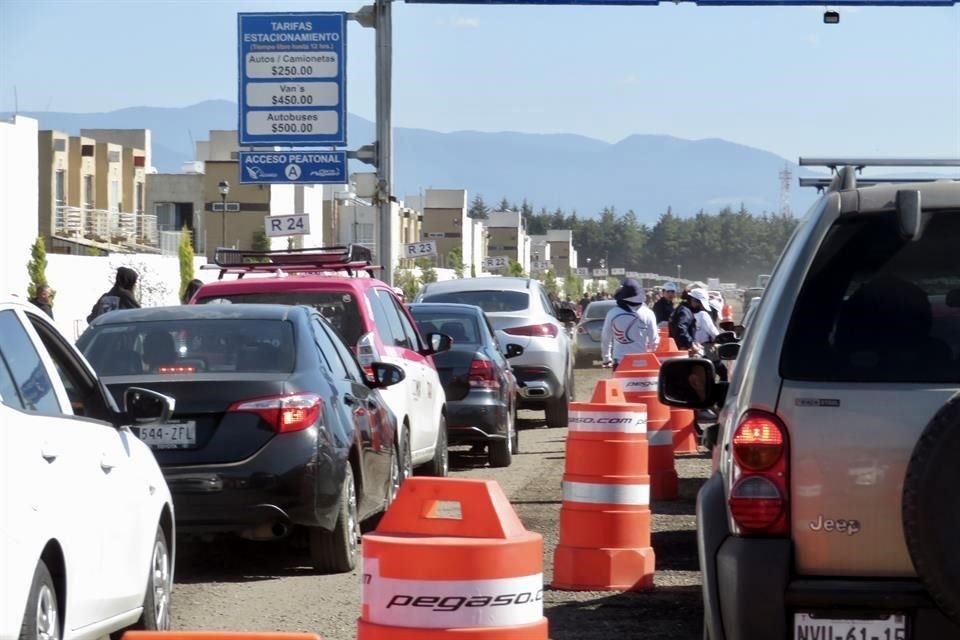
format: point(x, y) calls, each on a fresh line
point(276, 427)
point(480, 386)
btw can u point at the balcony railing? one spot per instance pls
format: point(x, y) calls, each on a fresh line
point(106, 227)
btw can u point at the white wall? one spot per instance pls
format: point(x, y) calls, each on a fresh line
point(80, 280)
point(19, 185)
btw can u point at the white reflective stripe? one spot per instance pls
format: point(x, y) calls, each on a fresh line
point(447, 604)
point(660, 437)
point(633, 494)
point(636, 383)
point(608, 421)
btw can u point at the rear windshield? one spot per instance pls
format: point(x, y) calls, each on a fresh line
point(339, 307)
point(489, 301)
point(877, 308)
point(461, 327)
point(596, 310)
point(190, 346)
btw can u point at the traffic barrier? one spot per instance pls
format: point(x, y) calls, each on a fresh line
point(475, 575)
point(605, 515)
point(639, 374)
point(217, 635)
point(683, 422)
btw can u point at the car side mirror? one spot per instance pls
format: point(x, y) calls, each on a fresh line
point(143, 406)
point(438, 342)
point(514, 350)
point(725, 337)
point(565, 314)
point(728, 351)
point(385, 375)
point(688, 383)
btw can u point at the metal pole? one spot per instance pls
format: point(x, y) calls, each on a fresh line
point(223, 220)
point(384, 70)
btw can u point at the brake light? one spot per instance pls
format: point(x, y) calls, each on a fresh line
point(177, 370)
point(759, 497)
point(545, 330)
point(482, 375)
point(285, 414)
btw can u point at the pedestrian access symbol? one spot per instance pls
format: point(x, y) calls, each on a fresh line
point(293, 172)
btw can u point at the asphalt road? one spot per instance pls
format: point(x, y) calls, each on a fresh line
point(239, 585)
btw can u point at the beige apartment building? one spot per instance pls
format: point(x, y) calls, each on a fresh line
point(507, 236)
point(53, 161)
point(445, 221)
point(563, 255)
point(81, 174)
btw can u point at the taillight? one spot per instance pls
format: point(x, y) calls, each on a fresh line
point(545, 330)
point(284, 413)
point(482, 375)
point(367, 352)
point(581, 328)
point(759, 496)
point(177, 370)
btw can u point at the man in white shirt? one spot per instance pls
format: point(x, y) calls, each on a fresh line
point(630, 327)
point(706, 329)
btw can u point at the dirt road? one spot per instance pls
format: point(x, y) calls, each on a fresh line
point(259, 586)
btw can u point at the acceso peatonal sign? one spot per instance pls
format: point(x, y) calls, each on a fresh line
point(293, 167)
point(293, 79)
point(742, 3)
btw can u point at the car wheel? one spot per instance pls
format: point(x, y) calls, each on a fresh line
point(500, 452)
point(440, 465)
point(156, 600)
point(41, 620)
point(558, 409)
point(336, 551)
point(396, 477)
point(516, 432)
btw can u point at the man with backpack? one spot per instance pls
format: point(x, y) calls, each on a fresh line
point(630, 327)
point(119, 297)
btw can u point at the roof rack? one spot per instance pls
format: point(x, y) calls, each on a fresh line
point(350, 258)
point(845, 171)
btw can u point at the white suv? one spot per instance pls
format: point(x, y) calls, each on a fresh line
point(87, 540)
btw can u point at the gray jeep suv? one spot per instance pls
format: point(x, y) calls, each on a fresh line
point(833, 513)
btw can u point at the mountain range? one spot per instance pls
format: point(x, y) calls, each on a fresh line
point(646, 173)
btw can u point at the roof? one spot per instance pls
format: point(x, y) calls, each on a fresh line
point(940, 194)
point(480, 284)
point(447, 307)
point(201, 312)
point(288, 283)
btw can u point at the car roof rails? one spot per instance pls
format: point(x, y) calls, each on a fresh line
point(352, 259)
point(846, 170)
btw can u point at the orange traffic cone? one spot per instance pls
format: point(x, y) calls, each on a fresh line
point(605, 517)
point(476, 575)
point(639, 374)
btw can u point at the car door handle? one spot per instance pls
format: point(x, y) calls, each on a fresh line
point(49, 452)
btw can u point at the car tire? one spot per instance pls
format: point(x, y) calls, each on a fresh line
point(930, 511)
point(439, 467)
point(500, 452)
point(516, 433)
point(336, 551)
point(156, 599)
point(558, 409)
point(41, 618)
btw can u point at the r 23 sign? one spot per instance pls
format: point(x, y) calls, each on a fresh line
point(420, 249)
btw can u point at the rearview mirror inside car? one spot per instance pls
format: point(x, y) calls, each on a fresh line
point(514, 350)
point(565, 314)
point(688, 383)
point(439, 343)
point(143, 406)
point(386, 375)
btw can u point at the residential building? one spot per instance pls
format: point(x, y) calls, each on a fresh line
point(131, 138)
point(508, 236)
point(563, 256)
point(411, 222)
point(540, 250)
point(81, 174)
point(445, 220)
point(19, 185)
point(53, 163)
point(176, 199)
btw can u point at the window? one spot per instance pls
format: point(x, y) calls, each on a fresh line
point(327, 351)
point(461, 327)
point(876, 308)
point(409, 332)
point(346, 357)
point(60, 187)
point(114, 203)
point(364, 233)
point(138, 198)
point(88, 191)
point(381, 319)
point(8, 390)
point(33, 384)
point(400, 338)
point(488, 301)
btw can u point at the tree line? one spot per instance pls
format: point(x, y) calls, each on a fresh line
point(733, 245)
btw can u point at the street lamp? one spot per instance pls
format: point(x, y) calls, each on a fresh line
point(679, 267)
point(224, 188)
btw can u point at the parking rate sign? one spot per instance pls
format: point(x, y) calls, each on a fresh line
point(293, 167)
point(293, 79)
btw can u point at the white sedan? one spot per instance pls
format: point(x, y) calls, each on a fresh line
point(87, 533)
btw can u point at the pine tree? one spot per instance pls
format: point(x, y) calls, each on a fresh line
point(185, 252)
point(37, 267)
point(504, 205)
point(478, 208)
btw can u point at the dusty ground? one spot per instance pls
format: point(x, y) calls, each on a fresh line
point(259, 586)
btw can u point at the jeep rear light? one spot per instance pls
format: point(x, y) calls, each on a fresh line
point(284, 413)
point(482, 375)
point(759, 497)
point(545, 330)
point(367, 352)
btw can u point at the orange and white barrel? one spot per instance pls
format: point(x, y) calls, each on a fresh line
point(217, 635)
point(476, 574)
point(639, 374)
point(605, 515)
point(683, 422)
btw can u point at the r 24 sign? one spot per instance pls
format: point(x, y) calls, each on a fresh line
point(297, 225)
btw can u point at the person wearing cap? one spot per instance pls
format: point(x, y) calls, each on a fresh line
point(706, 327)
point(683, 322)
point(663, 308)
point(630, 327)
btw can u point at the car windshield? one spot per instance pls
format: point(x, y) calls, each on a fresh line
point(461, 327)
point(598, 310)
point(488, 301)
point(175, 347)
point(339, 307)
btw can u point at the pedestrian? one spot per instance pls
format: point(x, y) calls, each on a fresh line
point(663, 308)
point(683, 322)
point(44, 300)
point(706, 322)
point(119, 297)
point(192, 287)
point(630, 327)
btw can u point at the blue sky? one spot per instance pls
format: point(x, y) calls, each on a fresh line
point(885, 81)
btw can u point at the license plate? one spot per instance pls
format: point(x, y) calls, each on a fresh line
point(170, 435)
point(809, 627)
